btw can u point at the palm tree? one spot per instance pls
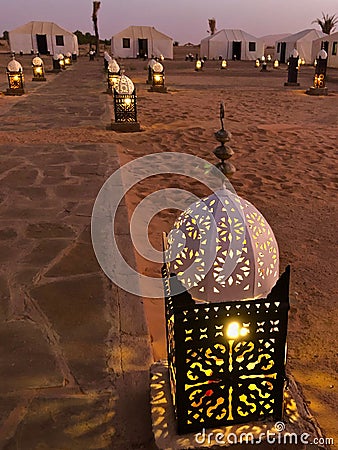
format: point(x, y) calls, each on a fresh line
point(327, 23)
point(212, 26)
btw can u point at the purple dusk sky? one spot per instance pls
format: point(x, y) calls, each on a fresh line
point(183, 20)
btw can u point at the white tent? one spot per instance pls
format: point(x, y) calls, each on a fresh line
point(232, 44)
point(43, 37)
point(330, 44)
point(141, 41)
point(301, 41)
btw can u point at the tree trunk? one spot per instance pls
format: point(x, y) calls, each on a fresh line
point(96, 6)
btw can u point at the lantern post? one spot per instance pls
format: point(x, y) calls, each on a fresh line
point(125, 111)
point(293, 69)
point(319, 81)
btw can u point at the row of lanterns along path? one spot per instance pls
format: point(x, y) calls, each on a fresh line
point(15, 73)
point(124, 93)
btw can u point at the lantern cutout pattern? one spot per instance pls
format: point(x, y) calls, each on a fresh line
point(113, 76)
point(38, 69)
point(15, 78)
point(223, 248)
point(157, 83)
point(227, 322)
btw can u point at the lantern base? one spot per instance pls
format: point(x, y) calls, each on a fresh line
point(14, 91)
point(164, 423)
point(161, 89)
point(39, 79)
point(287, 83)
point(125, 127)
point(317, 91)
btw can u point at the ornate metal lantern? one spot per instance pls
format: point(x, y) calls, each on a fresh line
point(68, 59)
point(113, 76)
point(150, 70)
point(226, 313)
point(61, 61)
point(38, 69)
point(56, 64)
point(198, 65)
point(125, 106)
point(276, 64)
point(224, 64)
point(257, 63)
point(319, 80)
point(15, 78)
point(157, 82)
point(293, 69)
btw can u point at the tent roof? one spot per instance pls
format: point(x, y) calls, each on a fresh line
point(138, 31)
point(232, 35)
point(329, 37)
point(35, 27)
point(301, 34)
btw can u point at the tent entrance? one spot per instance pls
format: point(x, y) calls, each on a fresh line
point(282, 52)
point(41, 40)
point(236, 50)
point(143, 47)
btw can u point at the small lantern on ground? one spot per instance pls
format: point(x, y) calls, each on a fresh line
point(226, 314)
point(61, 59)
point(15, 78)
point(113, 75)
point(68, 59)
point(74, 56)
point(91, 55)
point(38, 69)
point(276, 64)
point(125, 111)
point(224, 64)
point(150, 70)
point(198, 65)
point(319, 80)
point(293, 69)
point(157, 82)
point(257, 63)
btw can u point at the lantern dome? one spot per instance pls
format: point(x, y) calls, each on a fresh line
point(322, 54)
point(223, 249)
point(294, 53)
point(37, 61)
point(68, 54)
point(14, 66)
point(113, 66)
point(125, 85)
point(60, 56)
point(157, 67)
point(152, 62)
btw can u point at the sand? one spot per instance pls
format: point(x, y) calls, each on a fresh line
point(286, 159)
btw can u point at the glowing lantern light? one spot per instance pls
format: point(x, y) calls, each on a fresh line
point(15, 78)
point(257, 63)
point(125, 106)
point(224, 64)
point(68, 59)
point(38, 69)
point(61, 61)
point(198, 65)
point(276, 64)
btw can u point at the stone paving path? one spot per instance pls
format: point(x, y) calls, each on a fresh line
point(74, 348)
